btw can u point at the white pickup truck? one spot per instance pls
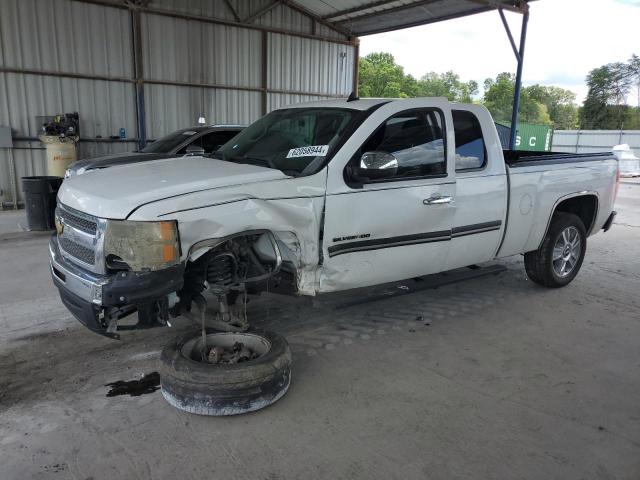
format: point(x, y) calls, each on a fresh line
point(322, 197)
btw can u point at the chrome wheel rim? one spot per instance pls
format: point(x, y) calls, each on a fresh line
point(566, 252)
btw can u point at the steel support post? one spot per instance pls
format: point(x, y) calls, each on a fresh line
point(518, 89)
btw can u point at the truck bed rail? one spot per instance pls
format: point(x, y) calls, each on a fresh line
point(516, 159)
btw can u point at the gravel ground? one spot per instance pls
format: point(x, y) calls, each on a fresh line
point(490, 378)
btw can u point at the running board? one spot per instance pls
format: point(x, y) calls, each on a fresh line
point(396, 289)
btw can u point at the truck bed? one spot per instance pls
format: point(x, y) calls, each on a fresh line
point(538, 181)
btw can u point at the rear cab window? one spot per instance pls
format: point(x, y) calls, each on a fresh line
point(471, 151)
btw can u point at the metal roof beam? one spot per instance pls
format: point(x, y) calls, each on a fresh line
point(232, 10)
point(517, 7)
point(398, 8)
point(219, 21)
point(348, 11)
point(508, 30)
point(300, 9)
point(261, 12)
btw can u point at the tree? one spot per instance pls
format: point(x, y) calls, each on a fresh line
point(634, 73)
point(560, 104)
point(447, 85)
point(605, 105)
point(595, 113)
point(498, 98)
point(381, 76)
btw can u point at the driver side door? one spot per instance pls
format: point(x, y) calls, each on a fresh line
point(388, 229)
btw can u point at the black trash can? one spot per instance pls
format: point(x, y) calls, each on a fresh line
point(40, 201)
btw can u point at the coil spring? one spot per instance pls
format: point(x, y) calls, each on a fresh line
point(222, 269)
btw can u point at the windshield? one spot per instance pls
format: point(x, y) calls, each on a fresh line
point(170, 142)
point(296, 141)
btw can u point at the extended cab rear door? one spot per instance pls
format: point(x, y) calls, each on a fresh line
point(481, 188)
point(394, 228)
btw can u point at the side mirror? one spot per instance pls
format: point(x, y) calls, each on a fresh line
point(377, 166)
point(194, 150)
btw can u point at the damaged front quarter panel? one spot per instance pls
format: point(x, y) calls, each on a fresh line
point(293, 216)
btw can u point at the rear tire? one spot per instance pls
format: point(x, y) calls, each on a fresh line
point(558, 260)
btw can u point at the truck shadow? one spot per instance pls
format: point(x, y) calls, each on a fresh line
point(75, 362)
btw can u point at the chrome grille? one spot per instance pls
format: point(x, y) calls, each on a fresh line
point(88, 226)
point(83, 254)
point(81, 238)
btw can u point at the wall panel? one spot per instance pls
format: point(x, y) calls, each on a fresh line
point(170, 108)
point(200, 52)
point(310, 66)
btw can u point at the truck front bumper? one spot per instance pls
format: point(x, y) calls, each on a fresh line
point(87, 295)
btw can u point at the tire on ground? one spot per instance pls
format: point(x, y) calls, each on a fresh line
point(225, 389)
point(539, 263)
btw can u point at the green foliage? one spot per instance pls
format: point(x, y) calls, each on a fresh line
point(634, 73)
point(381, 76)
point(604, 107)
point(560, 104)
point(447, 85)
point(609, 86)
point(498, 98)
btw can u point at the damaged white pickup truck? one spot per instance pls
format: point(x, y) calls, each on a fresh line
point(322, 197)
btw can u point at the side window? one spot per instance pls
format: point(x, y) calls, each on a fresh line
point(183, 151)
point(416, 139)
point(470, 149)
point(214, 140)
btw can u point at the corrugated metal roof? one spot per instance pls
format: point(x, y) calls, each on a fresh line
point(358, 17)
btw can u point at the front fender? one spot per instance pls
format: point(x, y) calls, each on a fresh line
point(294, 222)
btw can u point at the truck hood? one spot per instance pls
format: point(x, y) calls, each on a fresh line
point(116, 192)
point(115, 159)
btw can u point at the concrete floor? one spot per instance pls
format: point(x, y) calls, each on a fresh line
point(507, 381)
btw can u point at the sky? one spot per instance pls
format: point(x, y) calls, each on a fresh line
point(565, 39)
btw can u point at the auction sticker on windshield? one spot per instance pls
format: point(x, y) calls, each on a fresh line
point(311, 151)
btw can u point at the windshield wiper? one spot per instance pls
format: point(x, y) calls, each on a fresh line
point(254, 161)
point(260, 162)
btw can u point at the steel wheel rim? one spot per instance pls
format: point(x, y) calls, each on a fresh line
point(193, 347)
point(566, 252)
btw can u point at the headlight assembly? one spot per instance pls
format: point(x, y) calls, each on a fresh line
point(142, 246)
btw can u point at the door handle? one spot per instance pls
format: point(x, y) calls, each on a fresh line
point(437, 200)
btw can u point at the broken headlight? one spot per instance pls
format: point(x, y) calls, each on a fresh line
point(141, 246)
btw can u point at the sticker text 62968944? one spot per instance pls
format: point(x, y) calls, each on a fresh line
point(311, 151)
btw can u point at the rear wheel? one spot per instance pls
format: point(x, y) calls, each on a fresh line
point(558, 260)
